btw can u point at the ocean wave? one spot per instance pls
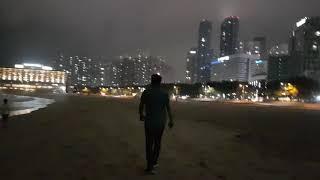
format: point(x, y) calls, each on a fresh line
point(20, 105)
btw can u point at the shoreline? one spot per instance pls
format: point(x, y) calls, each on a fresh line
point(21, 104)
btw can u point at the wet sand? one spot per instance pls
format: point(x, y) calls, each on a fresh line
point(101, 138)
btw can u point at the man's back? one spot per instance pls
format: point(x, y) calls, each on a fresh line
point(155, 101)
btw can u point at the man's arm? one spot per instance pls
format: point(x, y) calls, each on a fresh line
point(141, 107)
point(169, 113)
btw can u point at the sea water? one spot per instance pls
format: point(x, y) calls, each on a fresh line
point(24, 104)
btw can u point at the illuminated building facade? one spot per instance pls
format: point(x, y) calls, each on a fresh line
point(258, 70)
point(237, 67)
point(32, 77)
point(305, 48)
point(129, 71)
point(81, 71)
point(229, 42)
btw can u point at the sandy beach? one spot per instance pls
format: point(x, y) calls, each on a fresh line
point(86, 138)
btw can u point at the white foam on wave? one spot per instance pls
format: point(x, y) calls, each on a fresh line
point(26, 104)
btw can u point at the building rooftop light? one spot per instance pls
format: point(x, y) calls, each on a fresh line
point(301, 22)
point(30, 65)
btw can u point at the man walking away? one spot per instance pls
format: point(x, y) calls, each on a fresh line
point(5, 111)
point(153, 109)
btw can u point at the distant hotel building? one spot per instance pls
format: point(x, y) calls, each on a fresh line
point(229, 42)
point(304, 48)
point(30, 77)
point(238, 67)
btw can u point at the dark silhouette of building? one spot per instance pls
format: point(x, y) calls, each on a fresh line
point(305, 48)
point(191, 74)
point(229, 42)
point(260, 47)
point(204, 53)
point(279, 63)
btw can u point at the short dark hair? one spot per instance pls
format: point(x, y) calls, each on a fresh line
point(156, 79)
point(5, 101)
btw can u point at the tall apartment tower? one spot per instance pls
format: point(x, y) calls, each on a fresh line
point(229, 42)
point(204, 52)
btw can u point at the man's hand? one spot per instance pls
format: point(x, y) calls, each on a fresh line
point(170, 124)
point(142, 118)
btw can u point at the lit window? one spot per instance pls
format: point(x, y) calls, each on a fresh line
point(317, 33)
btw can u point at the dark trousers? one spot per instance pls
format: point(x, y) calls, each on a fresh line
point(153, 144)
point(5, 118)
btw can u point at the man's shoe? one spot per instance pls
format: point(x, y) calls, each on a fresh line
point(156, 165)
point(150, 171)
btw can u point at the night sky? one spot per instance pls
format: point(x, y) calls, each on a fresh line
point(35, 29)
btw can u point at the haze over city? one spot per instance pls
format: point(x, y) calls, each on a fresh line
point(36, 29)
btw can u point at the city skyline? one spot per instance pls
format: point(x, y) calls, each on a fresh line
point(97, 28)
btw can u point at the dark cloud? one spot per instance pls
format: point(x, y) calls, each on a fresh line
point(37, 28)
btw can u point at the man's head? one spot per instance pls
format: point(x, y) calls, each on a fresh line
point(5, 101)
point(156, 80)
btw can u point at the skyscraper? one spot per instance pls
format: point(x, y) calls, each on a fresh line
point(204, 53)
point(278, 63)
point(305, 48)
point(191, 75)
point(229, 42)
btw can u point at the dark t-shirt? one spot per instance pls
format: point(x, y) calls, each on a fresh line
point(155, 101)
